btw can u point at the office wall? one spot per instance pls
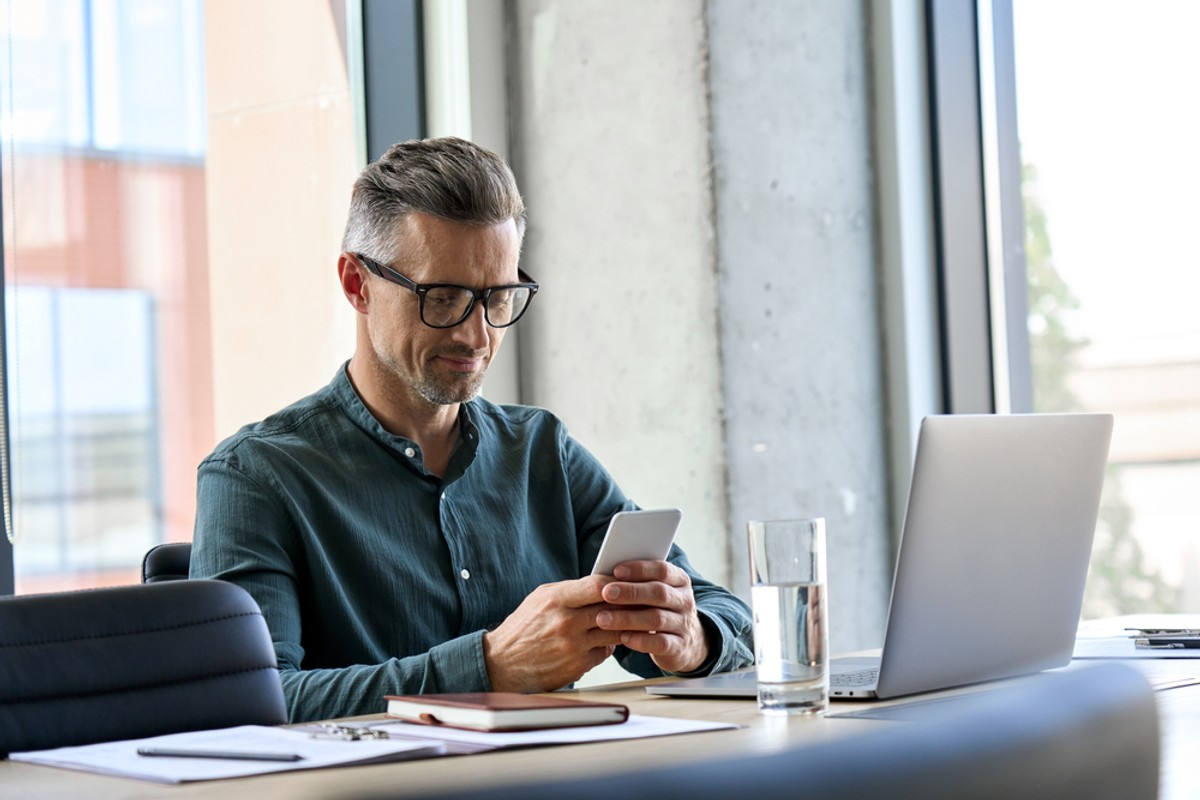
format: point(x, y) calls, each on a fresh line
point(699, 183)
point(280, 115)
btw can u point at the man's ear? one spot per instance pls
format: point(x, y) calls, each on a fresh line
point(353, 277)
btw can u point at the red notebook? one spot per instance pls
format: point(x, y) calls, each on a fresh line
point(502, 711)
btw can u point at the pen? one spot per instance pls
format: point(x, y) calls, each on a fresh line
point(1166, 643)
point(227, 754)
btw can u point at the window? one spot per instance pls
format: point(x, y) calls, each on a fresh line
point(1108, 125)
point(106, 284)
point(166, 163)
point(1063, 178)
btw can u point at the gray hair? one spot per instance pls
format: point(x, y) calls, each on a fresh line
point(449, 178)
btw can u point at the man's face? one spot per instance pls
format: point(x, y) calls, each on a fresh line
point(441, 366)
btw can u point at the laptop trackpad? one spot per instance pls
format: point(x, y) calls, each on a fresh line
point(853, 664)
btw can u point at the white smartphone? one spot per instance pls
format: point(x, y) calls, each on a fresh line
point(637, 536)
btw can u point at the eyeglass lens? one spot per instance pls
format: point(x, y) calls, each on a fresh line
point(445, 306)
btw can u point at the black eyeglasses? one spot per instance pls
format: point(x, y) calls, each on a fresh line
point(444, 305)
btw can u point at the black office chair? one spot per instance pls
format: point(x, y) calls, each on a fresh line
point(1090, 734)
point(132, 661)
point(167, 562)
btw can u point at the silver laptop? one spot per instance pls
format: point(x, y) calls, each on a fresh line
point(992, 563)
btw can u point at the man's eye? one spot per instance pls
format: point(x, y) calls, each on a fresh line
point(442, 299)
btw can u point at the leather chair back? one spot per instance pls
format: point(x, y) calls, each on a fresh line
point(167, 562)
point(132, 661)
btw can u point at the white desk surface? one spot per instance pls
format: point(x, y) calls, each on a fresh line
point(1179, 713)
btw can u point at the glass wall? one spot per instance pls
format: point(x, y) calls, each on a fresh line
point(148, 148)
point(1108, 124)
point(106, 286)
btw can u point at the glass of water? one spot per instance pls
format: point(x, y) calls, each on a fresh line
point(791, 637)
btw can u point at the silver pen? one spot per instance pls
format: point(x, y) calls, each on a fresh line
point(233, 755)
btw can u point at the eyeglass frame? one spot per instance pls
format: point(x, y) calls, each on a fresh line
point(421, 289)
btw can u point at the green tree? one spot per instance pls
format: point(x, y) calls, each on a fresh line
point(1120, 581)
point(1054, 350)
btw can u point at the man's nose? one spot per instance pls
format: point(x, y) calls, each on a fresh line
point(474, 330)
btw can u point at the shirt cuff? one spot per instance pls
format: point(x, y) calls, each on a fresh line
point(459, 666)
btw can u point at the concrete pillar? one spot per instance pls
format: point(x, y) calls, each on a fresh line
point(800, 307)
point(611, 147)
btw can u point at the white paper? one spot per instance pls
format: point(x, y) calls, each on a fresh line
point(121, 758)
point(636, 727)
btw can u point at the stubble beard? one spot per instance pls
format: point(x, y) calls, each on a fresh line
point(436, 389)
point(448, 392)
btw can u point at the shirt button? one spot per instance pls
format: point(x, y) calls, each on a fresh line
point(408, 451)
point(466, 574)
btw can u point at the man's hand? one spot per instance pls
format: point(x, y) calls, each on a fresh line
point(652, 606)
point(551, 639)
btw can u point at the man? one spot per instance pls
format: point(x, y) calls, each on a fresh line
point(403, 535)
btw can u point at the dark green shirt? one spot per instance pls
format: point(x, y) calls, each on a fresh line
point(377, 577)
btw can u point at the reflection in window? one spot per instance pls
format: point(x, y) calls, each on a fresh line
point(106, 281)
point(86, 433)
point(123, 76)
point(1110, 173)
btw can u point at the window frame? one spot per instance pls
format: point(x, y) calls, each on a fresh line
point(7, 565)
point(978, 213)
point(393, 71)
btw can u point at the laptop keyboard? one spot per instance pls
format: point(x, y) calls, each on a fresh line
point(852, 680)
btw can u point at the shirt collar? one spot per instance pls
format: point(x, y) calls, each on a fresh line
point(468, 431)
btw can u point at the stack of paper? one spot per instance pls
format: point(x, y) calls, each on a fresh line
point(122, 758)
point(637, 727)
point(229, 752)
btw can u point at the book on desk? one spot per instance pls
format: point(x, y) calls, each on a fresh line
point(502, 711)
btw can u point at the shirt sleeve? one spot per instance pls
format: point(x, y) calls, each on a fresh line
point(245, 535)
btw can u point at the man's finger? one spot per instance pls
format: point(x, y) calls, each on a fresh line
point(580, 592)
point(650, 642)
point(656, 594)
point(647, 619)
point(663, 571)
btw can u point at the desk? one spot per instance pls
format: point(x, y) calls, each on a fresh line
point(1179, 710)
